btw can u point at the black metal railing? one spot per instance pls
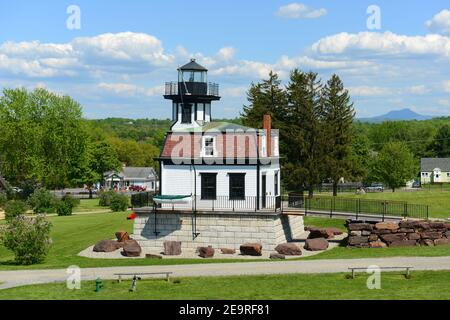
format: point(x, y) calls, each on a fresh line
point(192, 88)
point(356, 206)
point(248, 203)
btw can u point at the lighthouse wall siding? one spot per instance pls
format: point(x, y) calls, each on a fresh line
point(217, 230)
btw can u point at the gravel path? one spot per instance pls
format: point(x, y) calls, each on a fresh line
point(26, 277)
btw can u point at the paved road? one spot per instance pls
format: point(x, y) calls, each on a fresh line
point(25, 277)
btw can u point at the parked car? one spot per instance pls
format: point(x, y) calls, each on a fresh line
point(374, 187)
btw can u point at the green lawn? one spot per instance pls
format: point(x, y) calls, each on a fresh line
point(422, 285)
point(89, 205)
point(436, 198)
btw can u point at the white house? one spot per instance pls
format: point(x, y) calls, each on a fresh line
point(215, 161)
point(144, 177)
point(434, 170)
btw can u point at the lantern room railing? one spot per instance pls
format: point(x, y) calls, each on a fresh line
point(192, 88)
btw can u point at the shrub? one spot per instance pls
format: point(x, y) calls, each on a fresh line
point(3, 199)
point(105, 198)
point(29, 238)
point(42, 201)
point(64, 208)
point(75, 201)
point(119, 202)
point(15, 208)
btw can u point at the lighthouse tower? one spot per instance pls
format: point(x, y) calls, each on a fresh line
point(191, 96)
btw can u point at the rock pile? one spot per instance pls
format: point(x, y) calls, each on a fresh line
point(368, 234)
point(251, 249)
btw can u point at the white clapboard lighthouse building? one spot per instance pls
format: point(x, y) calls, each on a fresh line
point(215, 161)
point(219, 182)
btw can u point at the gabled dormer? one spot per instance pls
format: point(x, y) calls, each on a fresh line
point(191, 96)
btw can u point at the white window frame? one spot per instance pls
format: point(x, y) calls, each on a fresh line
point(263, 146)
point(203, 153)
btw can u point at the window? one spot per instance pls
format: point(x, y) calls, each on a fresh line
point(208, 146)
point(276, 183)
point(186, 115)
point(263, 146)
point(237, 186)
point(208, 185)
point(448, 174)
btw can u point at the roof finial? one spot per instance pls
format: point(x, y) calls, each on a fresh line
point(192, 59)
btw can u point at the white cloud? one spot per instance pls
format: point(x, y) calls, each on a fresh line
point(420, 89)
point(446, 85)
point(130, 90)
point(377, 44)
point(234, 91)
point(443, 102)
point(226, 53)
point(440, 22)
point(299, 11)
point(369, 91)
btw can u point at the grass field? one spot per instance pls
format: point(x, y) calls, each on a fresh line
point(437, 198)
point(75, 233)
point(422, 285)
point(89, 205)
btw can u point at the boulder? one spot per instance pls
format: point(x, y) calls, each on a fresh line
point(409, 224)
point(431, 235)
point(413, 236)
point(206, 252)
point(437, 225)
point(356, 233)
point(274, 255)
point(106, 246)
point(427, 242)
point(386, 226)
point(423, 225)
point(317, 244)
point(442, 241)
point(172, 248)
point(251, 249)
point(382, 231)
point(360, 226)
point(377, 244)
point(335, 231)
point(288, 249)
point(153, 256)
point(131, 249)
point(355, 240)
point(365, 233)
point(447, 226)
point(122, 236)
point(393, 237)
point(447, 234)
point(405, 230)
point(227, 251)
point(373, 237)
point(403, 243)
point(320, 233)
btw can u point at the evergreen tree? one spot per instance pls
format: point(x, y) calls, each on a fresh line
point(266, 97)
point(303, 132)
point(440, 147)
point(338, 114)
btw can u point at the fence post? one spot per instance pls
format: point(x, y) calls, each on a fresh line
point(384, 209)
point(233, 204)
point(358, 208)
point(332, 205)
point(405, 210)
point(427, 212)
point(305, 204)
point(256, 203)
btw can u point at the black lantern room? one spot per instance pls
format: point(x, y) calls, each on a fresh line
point(192, 94)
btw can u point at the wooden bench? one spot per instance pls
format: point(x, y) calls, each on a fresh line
point(407, 270)
point(119, 279)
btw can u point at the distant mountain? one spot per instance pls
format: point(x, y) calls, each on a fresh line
point(396, 115)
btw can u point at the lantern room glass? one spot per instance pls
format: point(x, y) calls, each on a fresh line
point(192, 76)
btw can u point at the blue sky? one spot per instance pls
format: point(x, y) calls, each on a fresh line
point(117, 62)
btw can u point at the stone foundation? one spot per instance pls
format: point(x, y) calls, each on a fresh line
point(216, 229)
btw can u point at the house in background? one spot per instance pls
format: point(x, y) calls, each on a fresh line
point(434, 170)
point(143, 177)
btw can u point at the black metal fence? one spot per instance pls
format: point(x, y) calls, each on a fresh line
point(248, 203)
point(357, 206)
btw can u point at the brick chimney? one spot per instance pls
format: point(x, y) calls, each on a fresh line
point(267, 126)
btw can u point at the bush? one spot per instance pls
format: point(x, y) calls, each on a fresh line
point(29, 238)
point(42, 201)
point(3, 199)
point(119, 202)
point(15, 208)
point(64, 208)
point(75, 201)
point(105, 198)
